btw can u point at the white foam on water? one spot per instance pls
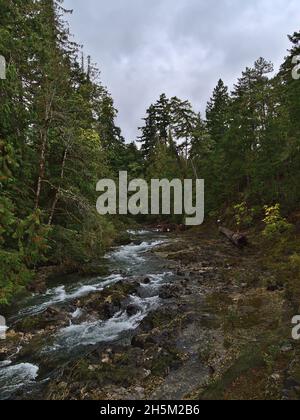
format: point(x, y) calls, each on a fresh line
point(138, 232)
point(133, 253)
point(155, 282)
point(129, 255)
point(5, 363)
point(94, 332)
point(13, 378)
point(159, 278)
point(59, 294)
point(76, 314)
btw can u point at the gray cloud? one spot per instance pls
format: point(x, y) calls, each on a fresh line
point(180, 47)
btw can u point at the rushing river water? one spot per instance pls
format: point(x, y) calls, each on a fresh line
point(24, 378)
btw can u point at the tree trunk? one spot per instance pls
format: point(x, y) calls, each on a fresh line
point(237, 239)
point(44, 143)
point(57, 192)
point(42, 165)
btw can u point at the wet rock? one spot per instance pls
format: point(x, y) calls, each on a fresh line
point(52, 317)
point(143, 292)
point(110, 310)
point(132, 310)
point(146, 281)
point(51, 312)
point(123, 238)
point(159, 318)
point(107, 303)
point(169, 292)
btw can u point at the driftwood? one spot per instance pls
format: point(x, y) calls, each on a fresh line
point(237, 239)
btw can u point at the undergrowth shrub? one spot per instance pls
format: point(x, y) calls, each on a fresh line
point(276, 225)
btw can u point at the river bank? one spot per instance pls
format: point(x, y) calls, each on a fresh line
point(184, 316)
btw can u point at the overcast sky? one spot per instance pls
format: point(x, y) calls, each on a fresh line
point(180, 47)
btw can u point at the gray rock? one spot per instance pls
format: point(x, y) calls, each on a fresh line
point(132, 310)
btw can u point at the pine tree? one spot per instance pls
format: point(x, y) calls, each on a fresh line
point(289, 89)
point(184, 122)
point(110, 134)
point(149, 134)
point(163, 117)
point(217, 112)
point(247, 126)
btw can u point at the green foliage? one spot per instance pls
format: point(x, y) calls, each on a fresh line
point(58, 137)
point(32, 239)
point(164, 163)
point(14, 275)
point(244, 216)
point(295, 262)
point(7, 219)
point(168, 118)
point(276, 225)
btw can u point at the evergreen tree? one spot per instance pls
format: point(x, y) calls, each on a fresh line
point(247, 125)
point(184, 122)
point(110, 134)
point(163, 117)
point(217, 112)
point(289, 111)
point(149, 134)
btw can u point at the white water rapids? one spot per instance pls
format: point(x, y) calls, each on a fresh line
point(128, 261)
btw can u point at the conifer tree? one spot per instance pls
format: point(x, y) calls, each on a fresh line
point(217, 112)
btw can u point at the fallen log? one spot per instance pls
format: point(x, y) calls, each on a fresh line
point(238, 239)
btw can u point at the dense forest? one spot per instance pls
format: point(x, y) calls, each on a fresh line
point(58, 137)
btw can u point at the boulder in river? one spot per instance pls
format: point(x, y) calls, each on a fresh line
point(132, 310)
point(110, 310)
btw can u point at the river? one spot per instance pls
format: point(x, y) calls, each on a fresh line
point(25, 376)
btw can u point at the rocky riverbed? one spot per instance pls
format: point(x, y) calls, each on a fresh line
point(184, 316)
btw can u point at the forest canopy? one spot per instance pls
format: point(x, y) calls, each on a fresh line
point(58, 137)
